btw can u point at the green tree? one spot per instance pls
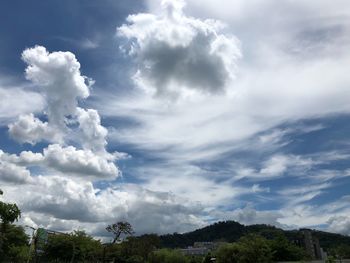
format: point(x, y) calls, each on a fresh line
point(249, 249)
point(284, 250)
point(15, 247)
point(207, 258)
point(9, 213)
point(141, 246)
point(255, 249)
point(228, 253)
point(341, 251)
point(167, 256)
point(74, 247)
point(120, 228)
point(135, 259)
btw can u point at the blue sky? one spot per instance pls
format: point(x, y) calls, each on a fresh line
point(174, 114)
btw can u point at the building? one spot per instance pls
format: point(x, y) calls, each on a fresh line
point(201, 248)
point(310, 243)
point(195, 251)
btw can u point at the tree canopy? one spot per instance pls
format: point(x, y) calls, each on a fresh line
point(120, 228)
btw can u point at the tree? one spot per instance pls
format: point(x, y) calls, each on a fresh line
point(9, 213)
point(74, 247)
point(167, 256)
point(284, 250)
point(340, 252)
point(141, 246)
point(120, 228)
point(249, 249)
point(16, 244)
point(254, 249)
point(228, 253)
point(207, 258)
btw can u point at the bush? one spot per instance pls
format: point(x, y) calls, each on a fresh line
point(167, 256)
point(249, 249)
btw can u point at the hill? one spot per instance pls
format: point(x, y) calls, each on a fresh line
point(231, 231)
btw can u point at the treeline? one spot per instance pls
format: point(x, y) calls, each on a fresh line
point(231, 231)
point(239, 244)
point(80, 247)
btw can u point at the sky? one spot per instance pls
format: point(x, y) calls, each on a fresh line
point(176, 114)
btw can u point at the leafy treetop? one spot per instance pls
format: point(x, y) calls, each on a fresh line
point(120, 228)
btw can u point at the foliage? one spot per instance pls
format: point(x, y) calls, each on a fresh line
point(167, 256)
point(135, 259)
point(15, 244)
point(18, 254)
point(120, 228)
point(228, 253)
point(249, 249)
point(330, 259)
point(340, 252)
point(133, 249)
point(207, 258)
point(140, 246)
point(284, 250)
point(77, 247)
point(9, 213)
point(257, 243)
point(231, 231)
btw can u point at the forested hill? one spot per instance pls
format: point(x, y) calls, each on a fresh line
point(231, 231)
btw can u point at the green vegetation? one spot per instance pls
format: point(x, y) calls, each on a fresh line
point(249, 249)
point(13, 241)
point(231, 231)
point(120, 228)
point(167, 256)
point(239, 244)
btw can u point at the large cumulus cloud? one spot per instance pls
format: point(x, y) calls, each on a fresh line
point(58, 77)
point(176, 53)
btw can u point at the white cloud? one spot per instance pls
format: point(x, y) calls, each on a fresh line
point(63, 204)
point(79, 162)
point(277, 165)
point(256, 188)
point(68, 161)
point(16, 101)
point(12, 173)
point(248, 215)
point(58, 76)
point(311, 215)
point(32, 130)
point(339, 224)
point(93, 134)
point(177, 54)
point(294, 67)
point(274, 86)
point(288, 73)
